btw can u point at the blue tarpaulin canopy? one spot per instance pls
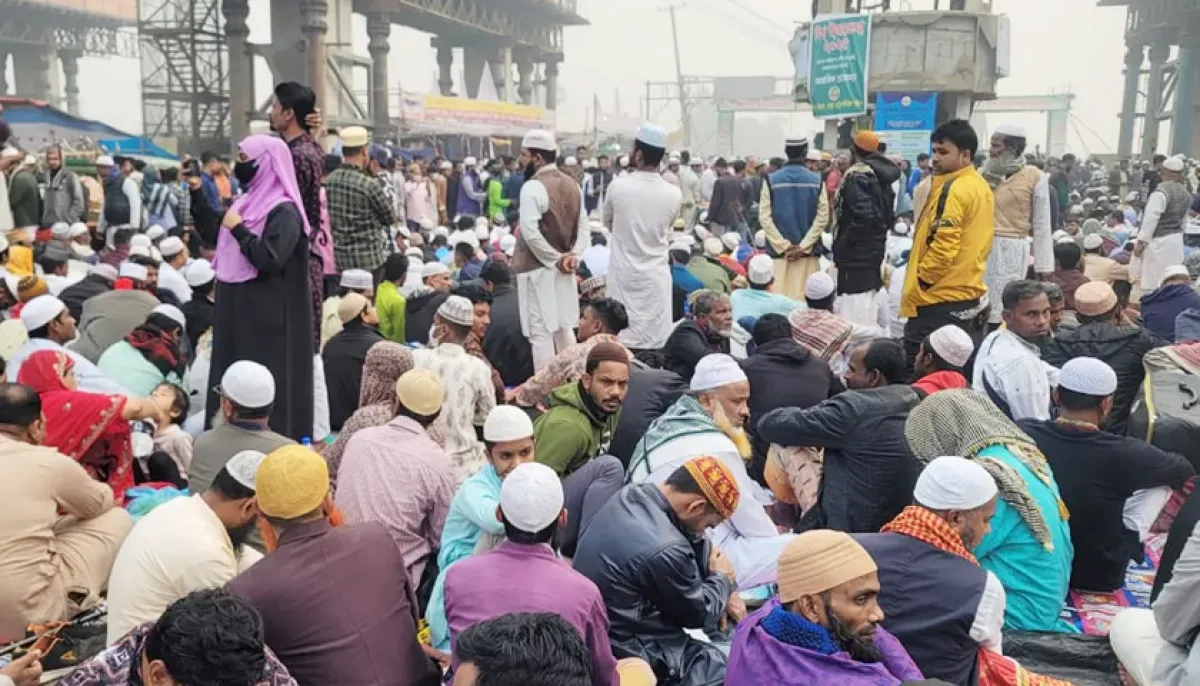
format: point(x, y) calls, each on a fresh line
point(38, 125)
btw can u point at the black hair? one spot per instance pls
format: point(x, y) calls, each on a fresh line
point(651, 155)
point(495, 273)
point(1069, 157)
point(144, 261)
point(181, 405)
point(5, 132)
point(465, 223)
point(822, 303)
point(680, 255)
point(44, 330)
point(682, 481)
point(958, 132)
point(298, 98)
point(139, 165)
point(425, 420)
point(796, 152)
point(229, 488)
point(684, 157)
point(739, 166)
point(939, 363)
point(886, 356)
point(473, 292)
point(516, 535)
point(1068, 254)
point(612, 313)
point(169, 175)
point(251, 412)
point(547, 156)
point(457, 329)
point(1119, 215)
point(881, 148)
point(465, 250)
point(779, 161)
point(771, 327)
point(1158, 158)
point(122, 236)
point(1102, 317)
point(206, 157)
point(161, 323)
point(1054, 292)
point(439, 240)
point(1074, 400)
point(352, 150)
point(922, 156)
point(1124, 291)
point(525, 649)
point(1016, 291)
point(49, 261)
point(19, 405)
point(209, 637)
point(395, 267)
point(332, 162)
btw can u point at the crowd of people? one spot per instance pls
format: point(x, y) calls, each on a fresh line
point(305, 418)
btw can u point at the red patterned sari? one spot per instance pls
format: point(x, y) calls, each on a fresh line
point(88, 427)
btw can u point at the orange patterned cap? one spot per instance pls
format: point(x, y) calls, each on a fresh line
point(716, 482)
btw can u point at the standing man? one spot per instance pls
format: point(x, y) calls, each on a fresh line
point(122, 200)
point(794, 213)
point(956, 218)
point(64, 201)
point(554, 232)
point(470, 193)
point(360, 215)
point(639, 210)
point(863, 215)
point(725, 212)
point(689, 185)
point(1060, 181)
point(1022, 198)
point(1160, 242)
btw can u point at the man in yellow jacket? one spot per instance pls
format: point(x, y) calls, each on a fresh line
point(955, 221)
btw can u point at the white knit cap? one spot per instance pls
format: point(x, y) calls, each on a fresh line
point(508, 244)
point(132, 270)
point(507, 423)
point(652, 135)
point(243, 467)
point(155, 232)
point(531, 497)
point(358, 279)
point(760, 239)
point(41, 311)
point(139, 250)
point(170, 312)
point(170, 246)
point(702, 233)
point(680, 245)
point(1092, 241)
point(467, 237)
point(105, 161)
point(571, 162)
point(952, 344)
point(469, 161)
point(954, 483)
point(1011, 130)
point(140, 240)
point(1175, 270)
point(199, 272)
point(731, 240)
point(716, 370)
point(441, 231)
point(457, 310)
point(481, 234)
point(77, 229)
point(713, 247)
point(761, 270)
point(539, 139)
point(249, 384)
point(60, 230)
point(1173, 164)
point(819, 286)
point(104, 271)
point(433, 269)
point(1089, 376)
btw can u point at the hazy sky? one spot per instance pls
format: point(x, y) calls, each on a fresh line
point(1058, 46)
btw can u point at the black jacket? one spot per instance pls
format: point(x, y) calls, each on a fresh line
point(654, 577)
point(73, 296)
point(726, 205)
point(869, 470)
point(200, 312)
point(344, 356)
point(865, 215)
point(650, 393)
point(418, 314)
point(504, 344)
point(1121, 347)
point(783, 373)
point(687, 344)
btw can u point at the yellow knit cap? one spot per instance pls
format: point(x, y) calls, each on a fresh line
point(292, 481)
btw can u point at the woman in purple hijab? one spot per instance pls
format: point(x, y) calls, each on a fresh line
point(263, 305)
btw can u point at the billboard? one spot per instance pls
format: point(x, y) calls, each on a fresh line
point(905, 121)
point(840, 47)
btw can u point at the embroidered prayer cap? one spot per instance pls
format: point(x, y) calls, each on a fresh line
point(761, 270)
point(243, 467)
point(13, 337)
point(539, 139)
point(717, 482)
point(954, 483)
point(292, 481)
point(1089, 376)
point(248, 384)
point(421, 391)
point(155, 232)
point(531, 497)
point(715, 370)
point(1173, 164)
point(1095, 298)
point(358, 279)
point(819, 286)
point(131, 270)
point(352, 305)
point(507, 423)
point(60, 230)
point(1011, 130)
point(713, 247)
point(41, 311)
point(170, 246)
point(867, 140)
point(457, 310)
point(819, 560)
point(653, 135)
point(170, 312)
point(199, 272)
point(30, 287)
point(355, 137)
point(952, 344)
point(1092, 241)
point(731, 240)
point(433, 269)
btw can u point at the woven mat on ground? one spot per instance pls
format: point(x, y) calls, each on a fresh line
point(1092, 613)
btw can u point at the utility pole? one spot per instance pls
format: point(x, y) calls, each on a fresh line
point(684, 113)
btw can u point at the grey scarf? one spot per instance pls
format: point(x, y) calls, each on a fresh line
point(999, 167)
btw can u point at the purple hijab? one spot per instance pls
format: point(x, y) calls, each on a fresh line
point(274, 184)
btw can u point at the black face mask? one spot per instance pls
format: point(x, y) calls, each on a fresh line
point(245, 172)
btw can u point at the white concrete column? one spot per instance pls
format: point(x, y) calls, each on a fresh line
point(379, 28)
point(70, 64)
point(316, 25)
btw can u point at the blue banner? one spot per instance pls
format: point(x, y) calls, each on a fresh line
point(905, 121)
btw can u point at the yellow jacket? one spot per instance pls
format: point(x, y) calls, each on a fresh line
point(950, 269)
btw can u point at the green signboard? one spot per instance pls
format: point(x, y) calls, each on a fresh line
point(839, 65)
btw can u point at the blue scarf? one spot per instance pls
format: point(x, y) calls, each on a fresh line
point(795, 630)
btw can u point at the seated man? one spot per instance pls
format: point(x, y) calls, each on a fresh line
point(704, 331)
point(205, 637)
point(524, 574)
point(1161, 306)
point(1009, 367)
point(533, 649)
point(357, 281)
point(574, 434)
point(941, 358)
point(600, 322)
point(758, 299)
point(1113, 486)
point(344, 354)
point(825, 626)
point(471, 525)
point(336, 604)
point(824, 333)
point(710, 420)
point(50, 326)
point(1068, 272)
point(51, 568)
point(658, 574)
point(183, 545)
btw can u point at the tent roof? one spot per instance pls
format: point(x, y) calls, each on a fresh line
point(37, 124)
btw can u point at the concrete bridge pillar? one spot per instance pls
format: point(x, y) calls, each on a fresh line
point(1159, 52)
point(445, 61)
point(314, 14)
point(35, 72)
point(552, 84)
point(524, 77)
point(241, 84)
point(1133, 71)
point(379, 28)
point(473, 60)
point(1183, 123)
point(70, 64)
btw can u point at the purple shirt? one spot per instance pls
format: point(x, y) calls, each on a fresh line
point(530, 578)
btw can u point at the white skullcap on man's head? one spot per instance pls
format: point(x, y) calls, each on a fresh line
point(652, 135)
point(761, 270)
point(952, 344)
point(680, 245)
point(819, 286)
point(243, 467)
point(1089, 376)
point(1175, 270)
point(713, 247)
point(1011, 130)
point(155, 232)
point(507, 423)
point(731, 240)
point(716, 370)
point(954, 483)
point(539, 139)
point(41, 311)
point(140, 240)
point(1173, 164)
point(531, 497)
point(760, 239)
point(132, 270)
point(433, 269)
point(1092, 241)
point(358, 279)
point(60, 230)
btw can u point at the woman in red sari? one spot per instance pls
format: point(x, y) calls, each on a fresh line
point(92, 428)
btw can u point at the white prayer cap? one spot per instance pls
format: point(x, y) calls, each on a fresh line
point(41, 311)
point(131, 270)
point(248, 384)
point(13, 337)
point(1175, 270)
point(1132, 196)
point(1092, 241)
point(571, 162)
point(713, 247)
point(595, 226)
point(415, 252)
point(467, 237)
point(814, 155)
point(507, 423)
point(531, 497)
point(358, 279)
point(470, 161)
point(171, 246)
point(199, 272)
point(426, 224)
point(688, 239)
point(13, 283)
point(60, 230)
point(731, 240)
point(155, 232)
point(3, 243)
point(652, 135)
point(796, 140)
point(105, 161)
point(433, 269)
point(672, 160)
point(696, 161)
point(1011, 130)
point(539, 139)
point(954, 483)
point(508, 244)
point(77, 229)
point(680, 245)
point(140, 251)
point(403, 230)
point(457, 310)
point(623, 161)
point(761, 270)
point(818, 287)
point(481, 233)
point(1173, 164)
point(1089, 376)
point(447, 165)
point(481, 221)
point(140, 240)
point(716, 370)
point(760, 239)
point(1065, 239)
point(952, 344)
point(104, 271)
point(170, 312)
point(441, 231)
point(243, 467)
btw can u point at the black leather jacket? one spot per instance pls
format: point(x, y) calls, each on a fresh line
point(654, 577)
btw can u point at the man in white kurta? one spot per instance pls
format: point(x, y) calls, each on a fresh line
point(554, 233)
point(1160, 240)
point(639, 211)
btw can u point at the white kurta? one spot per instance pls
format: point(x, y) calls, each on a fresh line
point(1009, 259)
point(1161, 252)
point(550, 299)
point(639, 210)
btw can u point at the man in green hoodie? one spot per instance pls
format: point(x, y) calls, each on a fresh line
point(496, 202)
point(573, 435)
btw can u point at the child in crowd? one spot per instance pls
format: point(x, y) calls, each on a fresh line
point(169, 437)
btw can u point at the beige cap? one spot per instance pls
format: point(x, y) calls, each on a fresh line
point(1095, 298)
point(355, 137)
point(819, 560)
point(352, 305)
point(421, 391)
